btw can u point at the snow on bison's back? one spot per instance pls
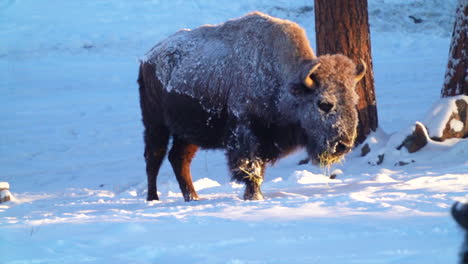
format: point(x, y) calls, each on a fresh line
point(251, 86)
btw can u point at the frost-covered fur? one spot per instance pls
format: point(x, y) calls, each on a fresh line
point(239, 86)
point(460, 214)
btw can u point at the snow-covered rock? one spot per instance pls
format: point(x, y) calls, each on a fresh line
point(5, 194)
point(448, 118)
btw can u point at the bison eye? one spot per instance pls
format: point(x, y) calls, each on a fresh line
point(300, 89)
point(325, 106)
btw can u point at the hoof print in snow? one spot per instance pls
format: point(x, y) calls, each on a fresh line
point(303, 161)
point(335, 173)
point(88, 46)
point(416, 20)
point(417, 140)
point(403, 163)
point(5, 195)
point(365, 150)
point(380, 159)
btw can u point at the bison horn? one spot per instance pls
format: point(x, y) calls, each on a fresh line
point(308, 82)
point(361, 74)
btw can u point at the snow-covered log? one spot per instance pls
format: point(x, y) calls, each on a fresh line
point(447, 119)
point(251, 86)
point(444, 124)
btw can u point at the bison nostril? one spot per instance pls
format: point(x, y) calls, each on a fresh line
point(325, 107)
point(341, 148)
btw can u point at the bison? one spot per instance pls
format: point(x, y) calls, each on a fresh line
point(460, 214)
point(251, 86)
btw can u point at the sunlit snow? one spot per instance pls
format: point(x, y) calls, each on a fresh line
point(71, 148)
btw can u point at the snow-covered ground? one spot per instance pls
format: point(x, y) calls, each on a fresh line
point(71, 148)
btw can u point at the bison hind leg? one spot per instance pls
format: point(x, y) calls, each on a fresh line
point(181, 156)
point(156, 134)
point(156, 140)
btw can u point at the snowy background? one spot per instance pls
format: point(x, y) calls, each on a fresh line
point(71, 148)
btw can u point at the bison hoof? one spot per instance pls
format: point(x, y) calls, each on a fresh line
point(191, 197)
point(253, 196)
point(152, 197)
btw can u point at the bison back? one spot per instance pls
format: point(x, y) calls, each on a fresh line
point(241, 65)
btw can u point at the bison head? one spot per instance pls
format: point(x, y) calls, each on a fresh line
point(324, 101)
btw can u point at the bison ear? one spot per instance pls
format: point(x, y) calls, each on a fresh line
point(360, 74)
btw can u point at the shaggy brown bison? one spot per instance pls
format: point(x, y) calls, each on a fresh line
point(460, 214)
point(251, 86)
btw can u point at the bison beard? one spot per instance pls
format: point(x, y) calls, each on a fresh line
point(251, 86)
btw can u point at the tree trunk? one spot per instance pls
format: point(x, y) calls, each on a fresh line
point(456, 79)
point(456, 75)
point(342, 26)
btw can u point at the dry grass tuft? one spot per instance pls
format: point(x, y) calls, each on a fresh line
point(326, 159)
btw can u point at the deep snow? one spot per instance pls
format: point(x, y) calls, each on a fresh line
point(71, 148)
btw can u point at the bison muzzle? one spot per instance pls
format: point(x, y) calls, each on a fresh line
point(251, 86)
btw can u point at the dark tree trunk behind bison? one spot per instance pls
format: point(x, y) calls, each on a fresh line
point(342, 26)
point(455, 77)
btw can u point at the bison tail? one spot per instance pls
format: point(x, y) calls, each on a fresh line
point(150, 89)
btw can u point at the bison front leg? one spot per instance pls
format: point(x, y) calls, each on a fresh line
point(245, 165)
point(250, 171)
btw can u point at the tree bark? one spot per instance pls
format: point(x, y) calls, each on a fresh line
point(456, 78)
point(342, 26)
